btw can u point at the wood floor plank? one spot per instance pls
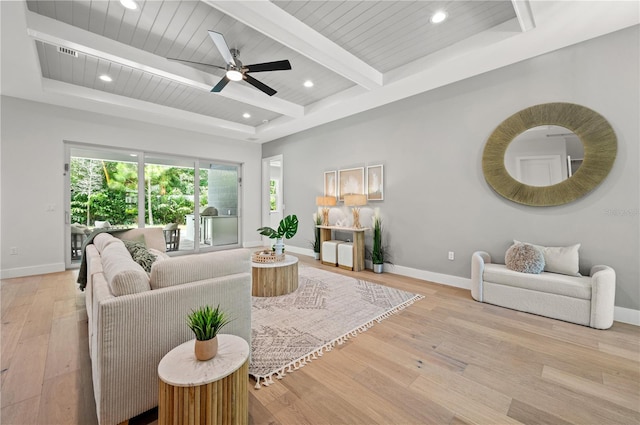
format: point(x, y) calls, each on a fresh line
point(61, 396)
point(530, 415)
point(23, 412)
point(63, 355)
point(586, 386)
point(463, 403)
point(414, 403)
point(25, 374)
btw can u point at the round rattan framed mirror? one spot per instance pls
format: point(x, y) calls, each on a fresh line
point(595, 132)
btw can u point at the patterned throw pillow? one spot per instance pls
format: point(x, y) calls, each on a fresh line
point(140, 254)
point(524, 258)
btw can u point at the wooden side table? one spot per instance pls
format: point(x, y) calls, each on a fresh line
point(274, 279)
point(205, 392)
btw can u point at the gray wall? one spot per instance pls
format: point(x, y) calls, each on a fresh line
point(436, 198)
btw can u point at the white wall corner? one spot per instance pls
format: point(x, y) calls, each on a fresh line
point(31, 271)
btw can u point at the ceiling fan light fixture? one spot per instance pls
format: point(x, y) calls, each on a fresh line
point(438, 17)
point(129, 4)
point(234, 75)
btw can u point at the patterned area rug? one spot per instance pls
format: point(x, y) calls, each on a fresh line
point(291, 330)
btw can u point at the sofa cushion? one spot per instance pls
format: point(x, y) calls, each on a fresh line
point(123, 275)
point(140, 254)
point(153, 237)
point(559, 259)
point(552, 283)
point(524, 258)
point(192, 268)
point(103, 240)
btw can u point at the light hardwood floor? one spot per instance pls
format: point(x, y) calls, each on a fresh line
point(444, 360)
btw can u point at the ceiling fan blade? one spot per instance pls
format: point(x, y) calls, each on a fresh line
point(218, 88)
point(260, 86)
point(218, 39)
point(196, 63)
point(269, 66)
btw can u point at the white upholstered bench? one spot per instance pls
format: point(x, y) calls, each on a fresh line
point(585, 300)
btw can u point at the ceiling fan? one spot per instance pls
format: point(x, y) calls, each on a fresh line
point(235, 70)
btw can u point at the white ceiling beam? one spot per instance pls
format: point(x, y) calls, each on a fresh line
point(277, 24)
point(60, 34)
point(66, 94)
point(524, 14)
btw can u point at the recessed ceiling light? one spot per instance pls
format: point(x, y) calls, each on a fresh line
point(246, 115)
point(308, 83)
point(129, 4)
point(106, 78)
point(438, 17)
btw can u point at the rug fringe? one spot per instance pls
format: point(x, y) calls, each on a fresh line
point(302, 361)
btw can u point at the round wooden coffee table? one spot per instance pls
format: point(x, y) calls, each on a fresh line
point(205, 392)
point(274, 279)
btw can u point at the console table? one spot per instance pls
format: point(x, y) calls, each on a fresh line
point(358, 242)
point(205, 392)
point(274, 279)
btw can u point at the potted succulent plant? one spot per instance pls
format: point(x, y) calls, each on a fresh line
point(287, 229)
point(205, 323)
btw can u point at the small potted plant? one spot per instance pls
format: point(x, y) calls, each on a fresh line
point(287, 229)
point(205, 323)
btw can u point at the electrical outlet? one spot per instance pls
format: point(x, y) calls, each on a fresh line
point(452, 255)
point(13, 250)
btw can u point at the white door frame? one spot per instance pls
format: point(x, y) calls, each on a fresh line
point(266, 178)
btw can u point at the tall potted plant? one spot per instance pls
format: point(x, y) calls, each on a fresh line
point(378, 250)
point(317, 218)
point(205, 323)
point(287, 229)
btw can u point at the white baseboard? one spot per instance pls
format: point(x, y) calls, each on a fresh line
point(31, 271)
point(296, 249)
point(252, 244)
point(626, 315)
point(445, 279)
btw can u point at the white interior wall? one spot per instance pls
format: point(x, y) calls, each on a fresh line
point(32, 155)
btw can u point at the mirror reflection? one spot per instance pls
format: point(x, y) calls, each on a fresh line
point(544, 155)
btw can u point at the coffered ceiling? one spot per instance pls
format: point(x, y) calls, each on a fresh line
point(358, 54)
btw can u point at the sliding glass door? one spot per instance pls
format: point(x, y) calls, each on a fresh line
point(194, 201)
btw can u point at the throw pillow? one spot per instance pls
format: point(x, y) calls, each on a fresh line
point(140, 254)
point(524, 258)
point(560, 259)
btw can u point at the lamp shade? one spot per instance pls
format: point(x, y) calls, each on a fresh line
point(355, 200)
point(325, 201)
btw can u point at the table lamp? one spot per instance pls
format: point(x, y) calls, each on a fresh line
point(355, 201)
point(325, 202)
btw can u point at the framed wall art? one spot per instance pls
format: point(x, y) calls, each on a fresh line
point(330, 183)
point(375, 183)
point(351, 182)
